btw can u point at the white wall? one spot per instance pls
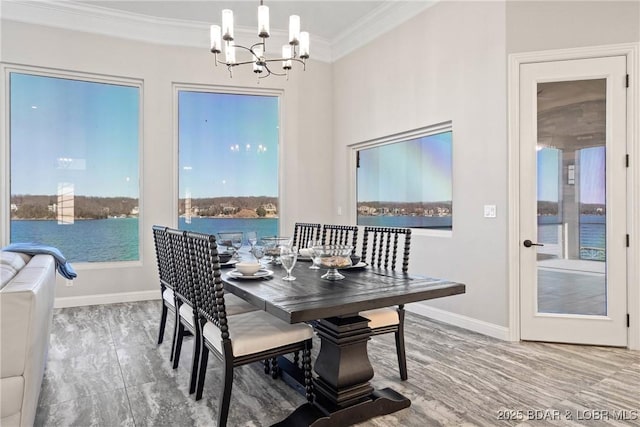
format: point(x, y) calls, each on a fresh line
point(545, 25)
point(448, 63)
point(306, 149)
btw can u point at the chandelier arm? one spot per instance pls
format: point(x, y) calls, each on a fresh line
point(285, 59)
point(272, 72)
point(250, 49)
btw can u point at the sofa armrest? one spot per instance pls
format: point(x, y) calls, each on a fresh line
point(26, 309)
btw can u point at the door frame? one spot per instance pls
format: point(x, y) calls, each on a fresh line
point(630, 50)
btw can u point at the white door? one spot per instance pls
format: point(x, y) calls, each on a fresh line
point(573, 234)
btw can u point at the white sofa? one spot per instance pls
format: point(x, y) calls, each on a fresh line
point(27, 291)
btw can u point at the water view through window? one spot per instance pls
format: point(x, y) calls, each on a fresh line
point(228, 166)
point(75, 166)
point(407, 183)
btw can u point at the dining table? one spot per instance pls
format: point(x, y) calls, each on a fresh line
point(343, 394)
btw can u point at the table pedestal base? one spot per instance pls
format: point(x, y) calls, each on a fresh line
point(382, 402)
point(343, 395)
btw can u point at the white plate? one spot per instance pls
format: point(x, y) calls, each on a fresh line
point(229, 263)
point(361, 264)
point(258, 275)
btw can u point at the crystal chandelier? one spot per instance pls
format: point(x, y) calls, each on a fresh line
point(297, 50)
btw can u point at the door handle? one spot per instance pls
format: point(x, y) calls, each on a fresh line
point(528, 243)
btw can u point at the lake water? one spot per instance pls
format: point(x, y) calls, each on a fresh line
point(116, 239)
point(83, 241)
point(440, 222)
point(103, 240)
point(592, 231)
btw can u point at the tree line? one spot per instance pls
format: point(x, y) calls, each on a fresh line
point(84, 207)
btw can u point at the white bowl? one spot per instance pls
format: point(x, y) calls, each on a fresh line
point(248, 268)
point(306, 252)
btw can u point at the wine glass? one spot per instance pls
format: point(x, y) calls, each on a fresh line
point(315, 260)
point(288, 257)
point(252, 238)
point(236, 243)
point(258, 252)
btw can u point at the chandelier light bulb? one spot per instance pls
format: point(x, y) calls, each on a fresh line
point(304, 45)
point(258, 52)
point(227, 24)
point(230, 53)
point(294, 29)
point(216, 39)
point(286, 54)
point(263, 21)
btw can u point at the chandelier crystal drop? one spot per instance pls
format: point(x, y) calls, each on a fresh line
point(222, 40)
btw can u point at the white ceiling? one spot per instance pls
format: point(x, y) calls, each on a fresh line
point(336, 27)
point(325, 19)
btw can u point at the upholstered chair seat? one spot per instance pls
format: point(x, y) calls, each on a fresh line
point(169, 297)
point(381, 317)
point(257, 332)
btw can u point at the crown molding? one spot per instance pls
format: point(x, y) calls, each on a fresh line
point(99, 20)
point(379, 21)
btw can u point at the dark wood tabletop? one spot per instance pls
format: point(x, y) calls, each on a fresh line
point(310, 298)
point(343, 395)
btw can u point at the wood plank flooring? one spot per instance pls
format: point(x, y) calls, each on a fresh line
point(104, 369)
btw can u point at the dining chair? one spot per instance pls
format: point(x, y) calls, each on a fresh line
point(303, 232)
point(165, 270)
point(185, 301)
point(240, 339)
point(340, 235)
point(381, 248)
point(186, 304)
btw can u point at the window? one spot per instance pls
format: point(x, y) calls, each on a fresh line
point(228, 162)
point(406, 180)
point(75, 165)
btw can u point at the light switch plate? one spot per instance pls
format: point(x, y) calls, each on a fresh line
point(489, 211)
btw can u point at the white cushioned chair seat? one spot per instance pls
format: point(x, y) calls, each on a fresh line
point(381, 317)
point(169, 297)
point(257, 331)
point(186, 312)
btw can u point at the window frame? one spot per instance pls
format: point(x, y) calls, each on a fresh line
point(5, 149)
point(412, 134)
point(229, 90)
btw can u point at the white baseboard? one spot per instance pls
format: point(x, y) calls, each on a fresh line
point(475, 325)
point(106, 299)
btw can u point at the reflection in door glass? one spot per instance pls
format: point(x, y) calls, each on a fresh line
point(571, 197)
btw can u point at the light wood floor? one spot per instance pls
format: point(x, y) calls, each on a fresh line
point(104, 369)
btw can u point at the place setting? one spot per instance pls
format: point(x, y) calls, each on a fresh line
point(249, 270)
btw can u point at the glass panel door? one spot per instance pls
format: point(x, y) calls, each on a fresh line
point(572, 210)
point(572, 201)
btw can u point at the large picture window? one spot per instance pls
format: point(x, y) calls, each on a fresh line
point(228, 162)
point(75, 165)
point(406, 180)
